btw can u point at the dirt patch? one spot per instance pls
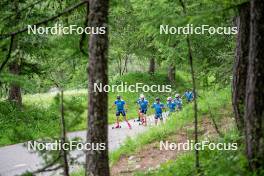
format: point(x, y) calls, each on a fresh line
point(150, 157)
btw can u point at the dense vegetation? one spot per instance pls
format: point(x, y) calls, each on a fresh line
point(41, 115)
point(47, 80)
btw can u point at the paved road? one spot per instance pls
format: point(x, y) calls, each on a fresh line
point(16, 159)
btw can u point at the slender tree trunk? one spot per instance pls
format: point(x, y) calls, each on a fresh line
point(120, 66)
point(125, 65)
point(241, 65)
point(14, 66)
point(254, 116)
point(97, 160)
point(171, 73)
point(63, 139)
point(197, 160)
point(152, 66)
point(14, 90)
point(214, 122)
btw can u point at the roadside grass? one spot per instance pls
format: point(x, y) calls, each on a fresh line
point(216, 101)
point(213, 162)
point(40, 115)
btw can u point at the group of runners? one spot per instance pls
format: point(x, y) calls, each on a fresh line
point(173, 105)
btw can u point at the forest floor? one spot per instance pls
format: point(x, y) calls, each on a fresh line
point(150, 157)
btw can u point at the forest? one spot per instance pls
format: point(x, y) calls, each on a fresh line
point(131, 87)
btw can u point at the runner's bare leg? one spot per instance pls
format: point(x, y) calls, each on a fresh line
point(128, 124)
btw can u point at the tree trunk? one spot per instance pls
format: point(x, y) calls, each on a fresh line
point(152, 66)
point(195, 106)
point(14, 90)
point(120, 66)
point(241, 65)
point(63, 139)
point(254, 116)
point(125, 65)
point(14, 66)
point(171, 73)
point(97, 160)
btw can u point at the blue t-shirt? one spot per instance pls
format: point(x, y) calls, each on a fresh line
point(171, 105)
point(120, 105)
point(178, 102)
point(143, 104)
point(188, 95)
point(158, 107)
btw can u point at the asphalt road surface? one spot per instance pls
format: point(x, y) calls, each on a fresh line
point(16, 159)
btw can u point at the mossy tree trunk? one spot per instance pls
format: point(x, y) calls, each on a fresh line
point(152, 66)
point(241, 65)
point(15, 65)
point(254, 116)
point(171, 73)
point(97, 160)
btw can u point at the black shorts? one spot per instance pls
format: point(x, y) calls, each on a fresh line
point(158, 116)
point(143, 111)
point(118, 112)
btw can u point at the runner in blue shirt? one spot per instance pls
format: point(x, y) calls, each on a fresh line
point(171, 105)
point(138, 111)
point(158, 106)
point(120, 109)
point(188, 94)
point(178, 102)
point(143, 105)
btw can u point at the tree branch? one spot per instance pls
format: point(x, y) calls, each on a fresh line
point(46, 168)
point(9, 53)
point(67, 10)
point(82, 39)
point(29, 6)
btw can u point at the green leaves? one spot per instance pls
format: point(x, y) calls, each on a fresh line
point(17, 80)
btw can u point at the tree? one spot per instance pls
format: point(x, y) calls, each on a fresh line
point(63, 138)
point(254, 115)
point(190, 55)
point(15, 65)
point(152, 66)
point(96, 160)
point(241, 65)
point(171, 72)
point(15, 90)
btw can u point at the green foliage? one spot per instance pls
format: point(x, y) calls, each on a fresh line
point(213, 162)
point(133, 33)
point(35, 121)
point(29, 123)
point(48, 61)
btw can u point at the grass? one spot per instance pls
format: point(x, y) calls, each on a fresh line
point(219, 101)
point(213, 162)
point(215, 101)
point(40, 116)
